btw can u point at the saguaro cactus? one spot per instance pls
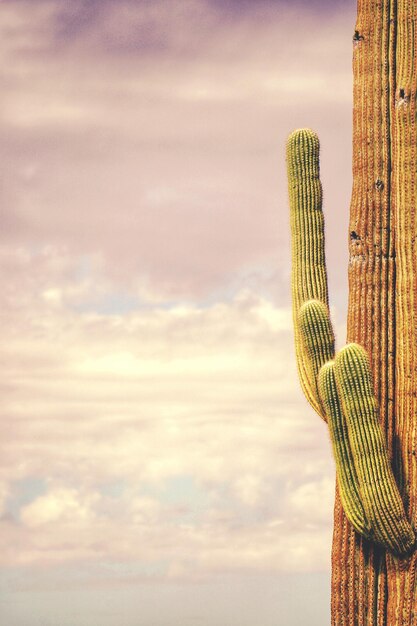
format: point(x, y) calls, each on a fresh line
point(367, 392)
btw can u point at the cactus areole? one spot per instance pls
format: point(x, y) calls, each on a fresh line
point(367, 392)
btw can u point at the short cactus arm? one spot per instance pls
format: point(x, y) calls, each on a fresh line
point(317, 341)
point(315, 330)
point(345, 467)
point(309, 275)
point(379, 492)
point(367, 486)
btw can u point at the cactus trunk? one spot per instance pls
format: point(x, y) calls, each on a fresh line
point(374, 435)
point(370, 586)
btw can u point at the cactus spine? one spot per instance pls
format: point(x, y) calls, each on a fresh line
point(367, 393)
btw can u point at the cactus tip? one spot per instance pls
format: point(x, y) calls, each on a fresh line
point(302, 139)
point(353, 350)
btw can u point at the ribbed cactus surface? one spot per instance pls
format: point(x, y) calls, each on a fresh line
point(307, 226)
point(340, 390)
point(367, 392)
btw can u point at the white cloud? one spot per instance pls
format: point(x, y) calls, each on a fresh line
point(146, 397)
point(59, 505)
point(313, 501)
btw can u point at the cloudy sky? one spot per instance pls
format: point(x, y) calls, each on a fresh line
point(159, 465)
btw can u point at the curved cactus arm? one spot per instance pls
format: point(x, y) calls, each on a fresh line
point(345, 468)
point(309, 276)
point(317, 340)
point(379, 492)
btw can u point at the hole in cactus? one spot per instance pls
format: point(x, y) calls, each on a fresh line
point(354, 236)
point(357, 37)
point(403, 97)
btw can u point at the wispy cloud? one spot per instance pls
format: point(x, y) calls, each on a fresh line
point(168, 164)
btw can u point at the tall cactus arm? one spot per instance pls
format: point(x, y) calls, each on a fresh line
point(309, 275)
point(379, 492)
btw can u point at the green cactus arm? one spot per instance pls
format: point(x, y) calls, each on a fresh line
point(379, 492)
point(367, 486)
point(317, 337)
point(317, 340)
point(345, 468)
point(309, 275)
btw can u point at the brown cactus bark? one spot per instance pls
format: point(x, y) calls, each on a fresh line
point(371, 587)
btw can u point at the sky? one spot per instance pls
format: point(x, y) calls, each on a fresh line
point(159, 465)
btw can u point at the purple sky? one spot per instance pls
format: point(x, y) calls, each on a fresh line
point(159, 465)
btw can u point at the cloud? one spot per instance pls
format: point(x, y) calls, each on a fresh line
point(313, 499)
point(182, 422)
point(59, 505)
